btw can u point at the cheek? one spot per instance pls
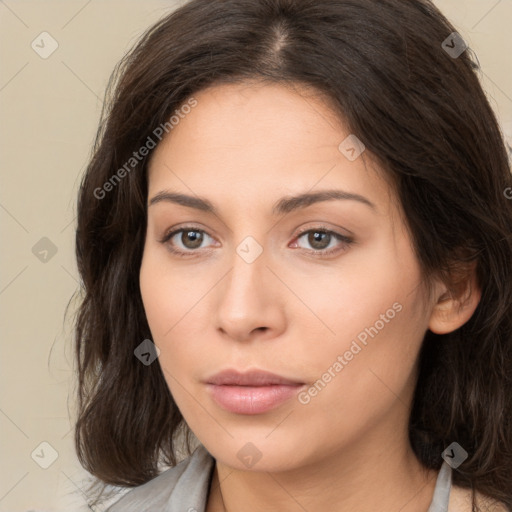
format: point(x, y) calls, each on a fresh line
point(380, 320)
point(365, 293)
point(174, 311)
point(168, 292)
point(375, 297)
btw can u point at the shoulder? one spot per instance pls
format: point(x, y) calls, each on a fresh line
point(460, 501)
point(184, 484)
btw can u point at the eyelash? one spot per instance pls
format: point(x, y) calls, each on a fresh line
point(345, 241)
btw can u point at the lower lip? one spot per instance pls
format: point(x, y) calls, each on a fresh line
point(252, 399)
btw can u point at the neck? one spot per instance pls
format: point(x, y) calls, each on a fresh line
point(379, 471)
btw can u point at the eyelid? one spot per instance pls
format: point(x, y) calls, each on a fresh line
point(189, 227)
point(324, 229)
point(343, 239)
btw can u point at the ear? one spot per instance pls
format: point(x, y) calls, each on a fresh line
point(453, 308)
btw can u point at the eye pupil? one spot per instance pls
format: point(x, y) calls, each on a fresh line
point(196, 239)
point(191, 239)
point(317, 236)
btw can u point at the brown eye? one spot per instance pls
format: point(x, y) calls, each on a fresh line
point(185, 241)
point(191, 239)
point(323, 242)
point(319, 240)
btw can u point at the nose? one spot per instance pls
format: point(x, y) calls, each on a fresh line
point(250, 299)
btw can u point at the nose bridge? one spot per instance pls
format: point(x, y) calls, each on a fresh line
point(246, 301)
point(248, 265)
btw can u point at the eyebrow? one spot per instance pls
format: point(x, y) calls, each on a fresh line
point(282, 206)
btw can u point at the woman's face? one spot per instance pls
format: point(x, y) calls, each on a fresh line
point(326, 294)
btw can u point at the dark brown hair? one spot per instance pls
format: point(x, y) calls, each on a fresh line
point(419, 111)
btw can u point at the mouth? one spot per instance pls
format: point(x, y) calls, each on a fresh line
point(253, 392)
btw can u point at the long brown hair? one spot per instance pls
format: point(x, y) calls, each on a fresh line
point(420, 111)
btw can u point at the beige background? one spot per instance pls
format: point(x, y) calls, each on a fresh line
point(49, 110)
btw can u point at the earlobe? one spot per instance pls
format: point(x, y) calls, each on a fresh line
point(453, 310)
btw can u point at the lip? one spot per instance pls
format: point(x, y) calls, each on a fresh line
point(252, 392)
point(231, 377)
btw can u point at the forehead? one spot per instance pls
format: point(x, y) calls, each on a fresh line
point(259, 115)
point(253, 138)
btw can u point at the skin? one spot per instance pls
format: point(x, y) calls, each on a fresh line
point(244, 147)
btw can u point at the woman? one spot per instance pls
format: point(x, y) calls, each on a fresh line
point(295, 244)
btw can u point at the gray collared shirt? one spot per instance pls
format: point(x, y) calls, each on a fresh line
point(184, 488)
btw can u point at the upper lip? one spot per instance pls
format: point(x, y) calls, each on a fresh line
point(250, 378)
